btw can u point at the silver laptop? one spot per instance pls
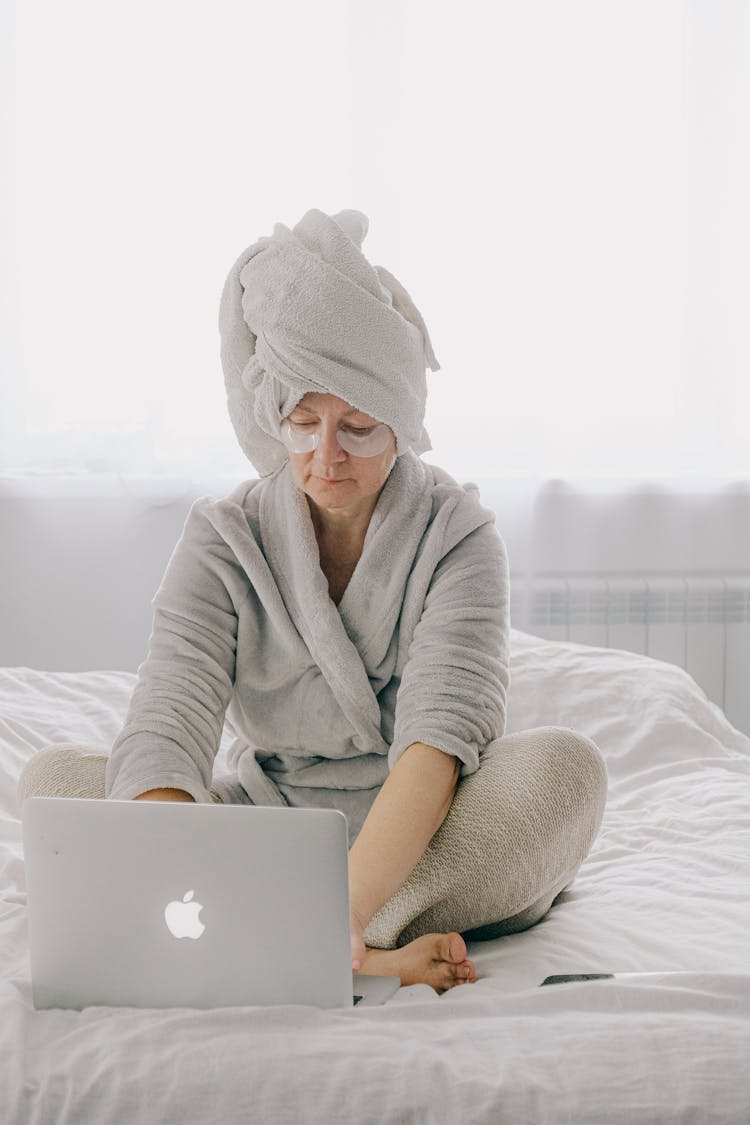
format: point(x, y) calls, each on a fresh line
point(172, 904)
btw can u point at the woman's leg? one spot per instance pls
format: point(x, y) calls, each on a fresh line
point(67, 769)
point(70, 769)
point(515, 836)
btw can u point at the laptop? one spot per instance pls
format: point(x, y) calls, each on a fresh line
point(161, 904)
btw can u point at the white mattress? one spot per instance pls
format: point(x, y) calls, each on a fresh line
point(664, 891)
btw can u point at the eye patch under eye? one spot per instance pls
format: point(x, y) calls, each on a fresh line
point(303, 437)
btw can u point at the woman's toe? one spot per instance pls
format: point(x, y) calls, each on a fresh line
point(455, 950)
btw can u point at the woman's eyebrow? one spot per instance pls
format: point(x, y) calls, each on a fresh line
point(354, 410)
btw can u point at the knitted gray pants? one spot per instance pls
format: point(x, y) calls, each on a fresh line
point(515, 836)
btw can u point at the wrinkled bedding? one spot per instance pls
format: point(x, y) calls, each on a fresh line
point(662, 896)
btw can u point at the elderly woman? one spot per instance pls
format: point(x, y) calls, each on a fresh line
point(347, 614)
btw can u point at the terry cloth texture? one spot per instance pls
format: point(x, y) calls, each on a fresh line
point(304, 311)
point(516, 834)
point(321, 699)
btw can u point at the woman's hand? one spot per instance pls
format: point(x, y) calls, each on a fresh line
point(356, 929)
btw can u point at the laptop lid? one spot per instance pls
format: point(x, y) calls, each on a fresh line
point(176, 904)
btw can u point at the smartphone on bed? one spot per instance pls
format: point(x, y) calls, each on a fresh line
point(563, 978)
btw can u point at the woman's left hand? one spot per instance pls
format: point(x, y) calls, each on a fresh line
point(356, 930)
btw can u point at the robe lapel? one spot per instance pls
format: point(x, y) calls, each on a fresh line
point(338, 637)
point(372, 603)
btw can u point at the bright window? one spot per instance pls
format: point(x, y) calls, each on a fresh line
point(562, 187)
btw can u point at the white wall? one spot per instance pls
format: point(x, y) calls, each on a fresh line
point(80, 560)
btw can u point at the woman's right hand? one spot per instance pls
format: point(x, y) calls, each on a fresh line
point(164, 795)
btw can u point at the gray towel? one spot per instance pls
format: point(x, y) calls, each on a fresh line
point(304, 311)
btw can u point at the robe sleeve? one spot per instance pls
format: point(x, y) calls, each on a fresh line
point(172, 730)
point(454, 686)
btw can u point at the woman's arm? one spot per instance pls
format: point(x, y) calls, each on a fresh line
point(454, 684)
point(173, 726)
point(164, 795)
point(407, 812)
point(453, 696)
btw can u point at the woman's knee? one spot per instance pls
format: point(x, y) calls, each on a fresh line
point(573, 769)
point(581, 754)
point(587, 770)
point(557, 753)
point(534, 788)
point(64, 770)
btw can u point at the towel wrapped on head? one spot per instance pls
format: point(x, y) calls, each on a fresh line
point(304, 311)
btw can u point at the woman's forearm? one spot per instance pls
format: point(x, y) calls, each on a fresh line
point(412, 804)
point(164, 795)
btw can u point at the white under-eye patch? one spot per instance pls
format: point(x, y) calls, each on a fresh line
point(360, 441)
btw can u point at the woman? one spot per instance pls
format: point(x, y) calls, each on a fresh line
point(346, 614)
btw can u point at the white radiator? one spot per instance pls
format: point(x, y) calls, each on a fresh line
point(700, 621)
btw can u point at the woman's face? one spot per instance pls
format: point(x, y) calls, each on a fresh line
point(337, 482)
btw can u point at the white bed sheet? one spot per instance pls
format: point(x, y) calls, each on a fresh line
point(663, 891)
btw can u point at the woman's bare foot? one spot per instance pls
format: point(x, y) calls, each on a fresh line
point(435, 959)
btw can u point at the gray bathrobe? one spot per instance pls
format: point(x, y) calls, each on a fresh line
point(321, 699)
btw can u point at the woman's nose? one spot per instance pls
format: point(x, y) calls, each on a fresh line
point(328, 444)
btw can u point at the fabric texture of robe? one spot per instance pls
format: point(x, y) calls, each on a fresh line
point(321, 700)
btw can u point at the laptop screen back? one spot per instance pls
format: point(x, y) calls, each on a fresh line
point(161, 904)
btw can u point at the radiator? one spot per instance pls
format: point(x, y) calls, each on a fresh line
point(700, 621)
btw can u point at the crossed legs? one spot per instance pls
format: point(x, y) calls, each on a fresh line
point(517, 832)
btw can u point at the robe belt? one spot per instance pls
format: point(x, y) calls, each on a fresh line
point(259, 787)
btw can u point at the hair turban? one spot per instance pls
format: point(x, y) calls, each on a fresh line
point(303, 310)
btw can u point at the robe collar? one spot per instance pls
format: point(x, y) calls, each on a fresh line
point(338, 637)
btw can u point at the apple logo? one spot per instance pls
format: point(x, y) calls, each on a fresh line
point(182, 917)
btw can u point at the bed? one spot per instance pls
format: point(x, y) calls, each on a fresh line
point(663, 896)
